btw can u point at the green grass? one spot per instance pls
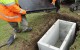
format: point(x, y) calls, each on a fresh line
point(76, 45)
point(3, 31)
point(66, 10)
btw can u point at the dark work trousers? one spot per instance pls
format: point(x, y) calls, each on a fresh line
point(23, 24)
point(57, 5)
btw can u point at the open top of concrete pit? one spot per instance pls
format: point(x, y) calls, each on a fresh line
point(64, 27)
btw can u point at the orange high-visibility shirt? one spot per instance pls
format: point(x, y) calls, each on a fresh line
point(11, 12)
point(9, 16)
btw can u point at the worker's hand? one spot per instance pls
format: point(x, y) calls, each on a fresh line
point(23, 11)
point(53, 3)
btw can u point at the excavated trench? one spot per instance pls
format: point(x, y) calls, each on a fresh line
point(32, 45)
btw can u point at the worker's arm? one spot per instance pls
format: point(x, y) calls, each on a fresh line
point(12, 6)
point(15, 8)
point(53, 2)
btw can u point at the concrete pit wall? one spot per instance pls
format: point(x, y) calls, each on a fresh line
point(58, 37)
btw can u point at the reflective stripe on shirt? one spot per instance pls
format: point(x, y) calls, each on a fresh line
point(8, 16)
point(10, 4)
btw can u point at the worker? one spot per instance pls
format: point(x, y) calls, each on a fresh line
point(56, 3)
point(13, 14)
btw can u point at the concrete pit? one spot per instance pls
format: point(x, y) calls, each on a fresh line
point(58, 37)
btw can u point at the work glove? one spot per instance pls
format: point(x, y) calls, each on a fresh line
point(23, 11)
point(53, 4)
